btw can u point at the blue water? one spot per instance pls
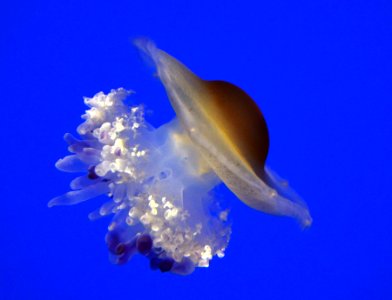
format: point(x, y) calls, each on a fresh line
point(319, 70)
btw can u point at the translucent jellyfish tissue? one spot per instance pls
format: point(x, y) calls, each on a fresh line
point(160, 181)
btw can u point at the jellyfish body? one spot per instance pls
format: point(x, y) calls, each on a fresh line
point(161, 181)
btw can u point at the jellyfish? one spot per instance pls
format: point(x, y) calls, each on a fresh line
point(161, 182)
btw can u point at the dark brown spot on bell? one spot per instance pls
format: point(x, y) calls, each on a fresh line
point(241, 119)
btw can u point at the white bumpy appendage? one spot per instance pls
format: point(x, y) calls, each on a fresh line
point(158, 184)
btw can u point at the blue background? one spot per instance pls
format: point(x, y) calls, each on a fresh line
point(320, 71)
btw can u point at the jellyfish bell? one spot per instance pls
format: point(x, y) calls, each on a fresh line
point(229, 130)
